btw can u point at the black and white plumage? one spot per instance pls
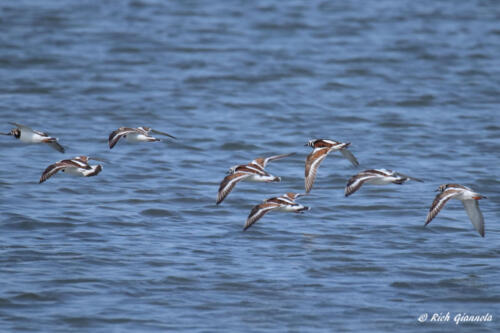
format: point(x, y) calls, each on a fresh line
point(322, 148)
point(284, 203)
point(77, 166)
point(376, 177)
point(139, 134)
point(469, 199)
point(26, 134)
point(253, 171)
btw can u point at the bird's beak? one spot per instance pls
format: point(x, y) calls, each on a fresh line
point(305, 144)
point(6, 133)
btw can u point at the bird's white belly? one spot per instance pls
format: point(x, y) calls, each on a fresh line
point(260, 178)
point(29, 137)
point(78, 172)
point(290, 208)
point(136, 137)
point(381, 181)
point(467, 195)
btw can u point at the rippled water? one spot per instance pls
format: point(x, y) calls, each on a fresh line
point(142, 247)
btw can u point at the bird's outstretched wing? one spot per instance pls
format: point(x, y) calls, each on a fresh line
point(355, 182)
point(163, 133)
point(54, 168)
point(475, 215)
point(22, 127)
point(258, 211)
point(228, 183)
point(313, 161)
point(439, 201)
point(275, 157)
point(54, 144)
point(347, 154)
point(115, 136)
point(402, 175)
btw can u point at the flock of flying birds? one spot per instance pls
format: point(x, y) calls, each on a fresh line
point(255, 171)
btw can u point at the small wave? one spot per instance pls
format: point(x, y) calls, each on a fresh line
point(22, 222)
point(252, 106)
point(238, 146)
point(85, 235)
point(336, 86)
point(398, 124)
point(283, 26)
point(156, 212)
point(36, 297)
point(424, 100)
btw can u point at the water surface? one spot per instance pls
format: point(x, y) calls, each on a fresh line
point(142, 247)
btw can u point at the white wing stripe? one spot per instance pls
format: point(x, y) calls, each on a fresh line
point(80, 163)
point(258, 171)
point(236, 179)
point(286, 199)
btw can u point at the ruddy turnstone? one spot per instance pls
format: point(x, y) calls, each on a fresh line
point(139, 134)
point(322, 148)
point(469, 199)
point(77, 166)
point(284, 203)
point(28, 135)
point(376, 177)
point(253, 171)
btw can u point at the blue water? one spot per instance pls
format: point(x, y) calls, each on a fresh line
point(414, 85)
